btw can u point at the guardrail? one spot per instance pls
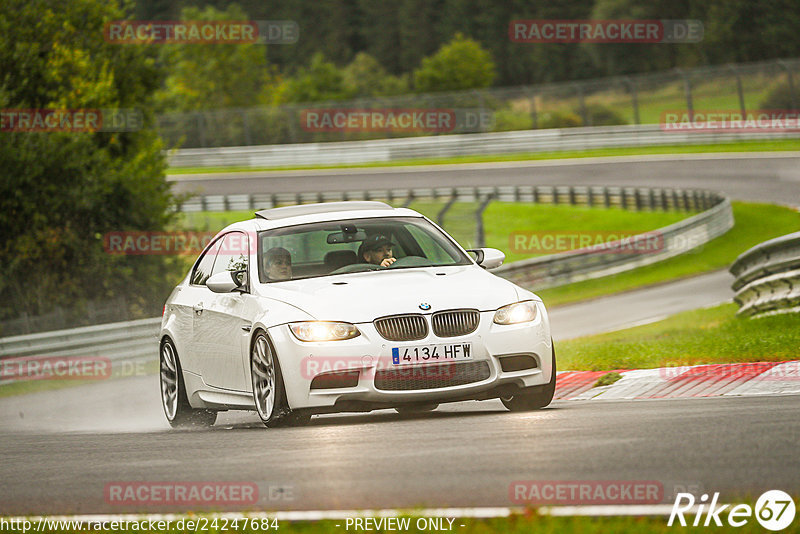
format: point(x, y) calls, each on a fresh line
point(545, 271)
point(768, 277)
point(445, 146)
point(138, 340)
point(128, 341)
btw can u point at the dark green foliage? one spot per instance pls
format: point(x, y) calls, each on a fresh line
point(61, 192)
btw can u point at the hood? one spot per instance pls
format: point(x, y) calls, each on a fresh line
point(362, 297)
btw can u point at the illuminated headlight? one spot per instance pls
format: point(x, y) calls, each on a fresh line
point(519, 312)
point(323, 331)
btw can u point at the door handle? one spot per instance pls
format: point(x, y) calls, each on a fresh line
point(198, 308)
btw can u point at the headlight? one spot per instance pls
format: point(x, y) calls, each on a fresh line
point(323, 331)
point(519, 312)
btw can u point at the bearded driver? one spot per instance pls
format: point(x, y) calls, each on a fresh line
point(377, 250)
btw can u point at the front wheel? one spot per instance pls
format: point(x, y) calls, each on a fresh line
point(173, 392)
point(269, 394)
point(541, 396)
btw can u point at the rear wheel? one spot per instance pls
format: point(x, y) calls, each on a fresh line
point(173, 392)
point(540, 397)
point(269, 393)
point(416, 408)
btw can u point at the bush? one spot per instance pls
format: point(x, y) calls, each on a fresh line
point(780, 97)
point(602, 115)
point(558, 119)
point(506, 120)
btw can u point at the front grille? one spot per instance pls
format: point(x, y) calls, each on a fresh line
point(402, 327)
point(431, 376)
point(455, 322)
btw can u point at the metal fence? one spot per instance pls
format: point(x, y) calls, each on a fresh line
point(625, 100)
point(547, 271)
point(768, 277)
point(129, 341)
point(628, 198)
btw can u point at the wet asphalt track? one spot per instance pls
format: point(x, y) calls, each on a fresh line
point(60, 449)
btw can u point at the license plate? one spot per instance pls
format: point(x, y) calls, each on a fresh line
point(431, 353)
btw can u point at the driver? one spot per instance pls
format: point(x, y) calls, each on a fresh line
point(377, 250)
point(278, 264)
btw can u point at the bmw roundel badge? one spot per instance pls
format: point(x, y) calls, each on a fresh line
point(424, 306)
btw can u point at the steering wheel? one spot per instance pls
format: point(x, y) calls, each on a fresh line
point(356, 268)
point(411, 261)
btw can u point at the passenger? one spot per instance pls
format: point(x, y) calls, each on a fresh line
point(377, 250)
point(278, 264)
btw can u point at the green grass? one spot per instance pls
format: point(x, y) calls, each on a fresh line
point(516, 524)
point(505, 220)
point(607, 379)
point(711, 335)
point(746, 146)
point(754, 223)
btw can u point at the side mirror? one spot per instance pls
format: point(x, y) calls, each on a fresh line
point(227, 281)
point(488, 258)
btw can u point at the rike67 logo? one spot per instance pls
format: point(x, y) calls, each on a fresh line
point(774, 510)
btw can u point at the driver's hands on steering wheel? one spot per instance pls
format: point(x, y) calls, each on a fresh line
point(387, 262)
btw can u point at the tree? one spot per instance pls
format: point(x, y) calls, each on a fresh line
point(459, 64)
point(364, 76)
point(320, 81)
point(215, 76)
point(61, 192)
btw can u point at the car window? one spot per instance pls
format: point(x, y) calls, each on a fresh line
point(232, 254)
point(320, 249)
point(202, 269)
point(431, 248)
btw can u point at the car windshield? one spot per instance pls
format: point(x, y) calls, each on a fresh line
point(338, 247)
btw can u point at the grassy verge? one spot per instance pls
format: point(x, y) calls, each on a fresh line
point(516, 524)
point(754, 223)
point(745, 146)
point(712, 335)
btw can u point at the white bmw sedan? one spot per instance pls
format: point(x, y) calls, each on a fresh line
point(347, 306)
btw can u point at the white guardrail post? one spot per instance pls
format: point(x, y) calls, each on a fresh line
point(768, 277)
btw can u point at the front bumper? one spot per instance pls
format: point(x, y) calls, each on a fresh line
point(357, 374)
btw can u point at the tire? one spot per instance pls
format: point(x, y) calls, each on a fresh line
point(174, 400)
point(269, 392)
point(416, 408)
point(540, 397)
